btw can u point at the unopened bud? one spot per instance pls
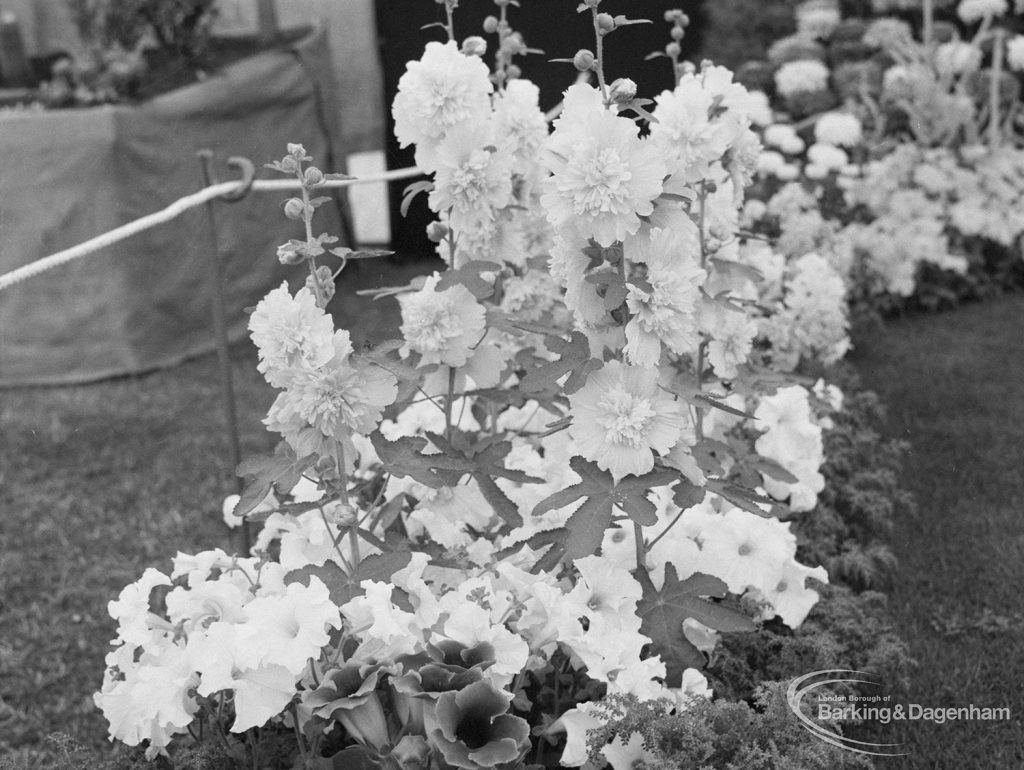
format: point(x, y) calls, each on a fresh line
point(712, 245)
point(677, 33)
point(313, 176)
point(294, 208)
point(583, 60)
point(673, 50)
point(622, 90)
point(474, 46)
point(591, 3)
point(491, 25)
point(438, 231)
point(514, 71)
point(297, 151)
point(605, 22)
point(343, 515)
point(325, 280)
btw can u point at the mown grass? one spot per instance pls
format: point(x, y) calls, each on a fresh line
point(954, 387)
point(98, 482)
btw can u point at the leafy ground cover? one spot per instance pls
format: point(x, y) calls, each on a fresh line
point(98, 482)
point(952, 386)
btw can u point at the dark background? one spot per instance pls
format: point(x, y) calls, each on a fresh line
point(550, 25)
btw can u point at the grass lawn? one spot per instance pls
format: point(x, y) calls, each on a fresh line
point(98, 482)
point(954, 387)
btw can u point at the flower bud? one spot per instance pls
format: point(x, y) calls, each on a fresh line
point(294, 208)
point(325, 279)
point(313, 176)
point(474, 46)
point(343, 515)
point(591, 3)
point(677, 33)
point(491, 25)
point(297, 151)
point(673, 50)
point(622, 90)
point(605, 23)
point(583, 60)
point(438, 231)
point(514, 71)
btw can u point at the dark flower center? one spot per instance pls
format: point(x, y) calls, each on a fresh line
point(474, 731)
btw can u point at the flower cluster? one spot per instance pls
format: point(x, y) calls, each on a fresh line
point(473, 534)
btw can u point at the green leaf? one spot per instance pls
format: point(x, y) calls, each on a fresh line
point(741, 497)
point(610, 287)
point(469, 276)
point(687, 494)
point(573, 356)
point(343, 586)
point(662, 614)
point(486, 461)
point(405, 457)
point(773, 469)
point(707, 401)
point(412, 191)
point(281, 471)
point(601, 494)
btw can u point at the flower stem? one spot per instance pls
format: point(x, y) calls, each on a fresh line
point(599, 59)
point(449, 9)
point(638, 533)
point(449, 400)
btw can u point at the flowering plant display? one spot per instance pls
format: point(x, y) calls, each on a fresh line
point(901, 170)
point(570, 477)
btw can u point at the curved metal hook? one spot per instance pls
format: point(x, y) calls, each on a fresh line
point(248, 169)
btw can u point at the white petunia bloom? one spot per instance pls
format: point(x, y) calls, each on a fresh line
point(289, 629)
point(444, 327)
point(801, 76)
point(444, 89)
point(604, 177)
point(621, 417)
point(149, 699)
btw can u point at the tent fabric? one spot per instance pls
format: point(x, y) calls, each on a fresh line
point(144, 303)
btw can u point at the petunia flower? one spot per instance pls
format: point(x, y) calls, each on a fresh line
point(474, 729)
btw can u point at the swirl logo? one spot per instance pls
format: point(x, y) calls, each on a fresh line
point(838, 707)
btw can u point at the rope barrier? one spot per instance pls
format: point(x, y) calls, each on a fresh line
point(177, 208)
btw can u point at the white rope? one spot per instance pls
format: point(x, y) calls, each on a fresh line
point(177, 208)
